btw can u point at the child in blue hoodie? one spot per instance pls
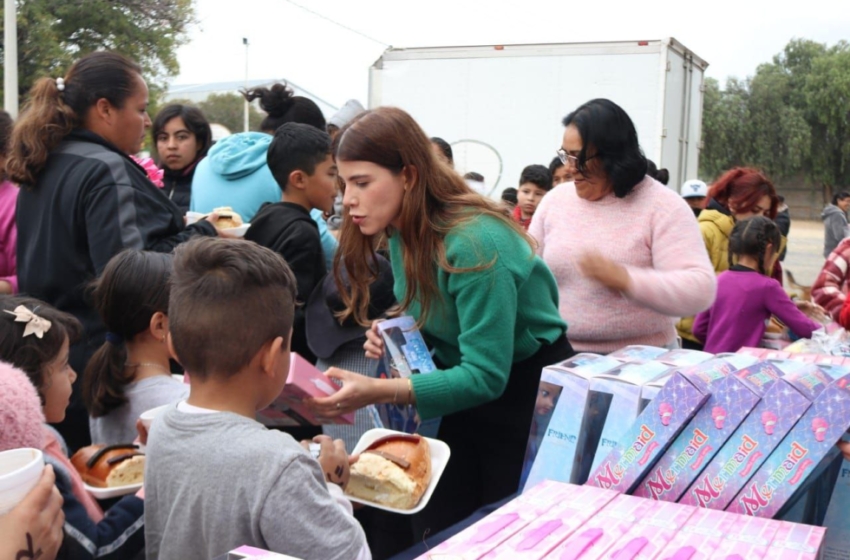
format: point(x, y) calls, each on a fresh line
point(235, 172)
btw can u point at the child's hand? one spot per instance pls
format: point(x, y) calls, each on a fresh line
point(334, 460)
point(143, 432)
point(374, 346)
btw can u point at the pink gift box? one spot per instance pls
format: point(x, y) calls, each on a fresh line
point(303, 382)
point(651, 533)
point(477, 540)
point(700, 537)
point(251, 553)
point(546, 532)
point(795, 541)
point(748, 538)
point(596, 537)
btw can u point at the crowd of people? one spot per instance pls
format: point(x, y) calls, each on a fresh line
point(108, 293)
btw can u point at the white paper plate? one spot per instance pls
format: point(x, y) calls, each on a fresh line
point(114, 492)
point(440, 454)
point(192, 217)
point(237, 231)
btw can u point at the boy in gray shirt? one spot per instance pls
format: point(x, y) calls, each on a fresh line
point(215, 478)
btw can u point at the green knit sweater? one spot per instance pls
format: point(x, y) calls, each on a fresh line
point(487, 320)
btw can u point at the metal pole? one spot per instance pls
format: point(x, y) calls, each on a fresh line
point(244, 42)
point(10, 58)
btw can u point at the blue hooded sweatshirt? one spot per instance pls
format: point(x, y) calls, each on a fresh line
point(235, 174)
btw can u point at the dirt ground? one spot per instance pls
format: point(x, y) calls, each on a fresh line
point(805, 251)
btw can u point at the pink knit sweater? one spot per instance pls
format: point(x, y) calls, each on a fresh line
point(652, 232)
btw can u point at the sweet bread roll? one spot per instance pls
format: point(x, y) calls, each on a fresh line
point(110, 466)
point(227, 218)
point(394, 471)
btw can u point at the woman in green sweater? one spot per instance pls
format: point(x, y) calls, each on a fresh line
point(483, 300)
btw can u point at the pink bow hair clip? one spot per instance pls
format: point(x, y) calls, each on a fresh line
point(35, 325)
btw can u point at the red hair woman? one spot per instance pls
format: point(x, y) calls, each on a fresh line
point(738, 194)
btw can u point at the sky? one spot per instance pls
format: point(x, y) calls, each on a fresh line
point(287, 41)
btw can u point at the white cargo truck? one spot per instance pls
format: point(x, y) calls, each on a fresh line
point(501, 106)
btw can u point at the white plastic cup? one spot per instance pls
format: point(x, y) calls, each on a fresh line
point(20, 470)
point(148, 415)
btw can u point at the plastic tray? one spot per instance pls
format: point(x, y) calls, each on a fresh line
point(114, 492)
point(440, 454)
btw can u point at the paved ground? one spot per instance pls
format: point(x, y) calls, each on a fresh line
point(805, 251)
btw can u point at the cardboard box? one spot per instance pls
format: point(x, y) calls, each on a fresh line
point(598, 535)
point(836, 546)
point(655, 429)
point(546, 532)
point(791, 463)
point(732, 399)
point(684, 358)
point(303, 382)
point(566, 450)
point(748, 538)
point(477, 540)
point(651, 532)
point(405, 354)
point(551, 386)
point(625, 387)
point(782, 406)
point(700, 537)
point(252, 553)
point(638, 353)
point(794, 541)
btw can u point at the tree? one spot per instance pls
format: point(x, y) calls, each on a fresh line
point(725, 114)
point(791, 119)
point(227, 109)
point(827, 93)
point(52, 34)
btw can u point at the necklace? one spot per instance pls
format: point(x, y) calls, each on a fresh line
point(149, 365)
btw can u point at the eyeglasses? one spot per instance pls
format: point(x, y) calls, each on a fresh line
point(571, 159)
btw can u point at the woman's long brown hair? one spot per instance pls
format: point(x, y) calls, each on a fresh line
point(437, 201)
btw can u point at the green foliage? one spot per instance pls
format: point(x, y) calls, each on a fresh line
point(791, 119)
point(54, 33)
point(226, 109)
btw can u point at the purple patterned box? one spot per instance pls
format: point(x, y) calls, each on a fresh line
point(770, 421)
point(732, 399)
point(791, 463)
point(655, 428)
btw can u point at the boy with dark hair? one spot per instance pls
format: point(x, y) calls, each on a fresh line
point(534, 182)
point(217, 479)
point(300, 160)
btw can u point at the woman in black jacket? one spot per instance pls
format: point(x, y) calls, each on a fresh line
point(182, 136)
point(83, 199)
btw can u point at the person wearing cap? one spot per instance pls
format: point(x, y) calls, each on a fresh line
point(694, 193)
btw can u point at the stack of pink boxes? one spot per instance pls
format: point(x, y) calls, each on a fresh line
point(560, 521)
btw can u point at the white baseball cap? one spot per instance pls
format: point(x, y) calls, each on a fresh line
point(693, 189)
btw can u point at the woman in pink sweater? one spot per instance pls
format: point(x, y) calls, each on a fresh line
point(628, 257)
point(8, 201)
